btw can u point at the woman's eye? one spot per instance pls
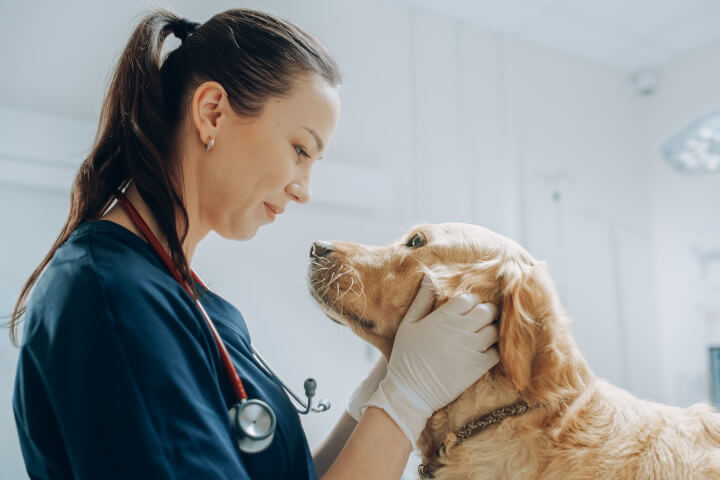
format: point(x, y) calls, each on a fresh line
point(299, 150)
point(416, 241)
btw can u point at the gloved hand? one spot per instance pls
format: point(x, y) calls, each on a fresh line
point(435, 358)
point(366, 388)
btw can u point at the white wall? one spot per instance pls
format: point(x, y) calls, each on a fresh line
point(31, 218)
point(585, 203)
point(685, 216)
point(463, 125)
point(543, 148)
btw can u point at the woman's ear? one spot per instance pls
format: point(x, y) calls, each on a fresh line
point(208, 109)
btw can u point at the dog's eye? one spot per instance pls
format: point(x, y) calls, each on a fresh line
point(417, 241)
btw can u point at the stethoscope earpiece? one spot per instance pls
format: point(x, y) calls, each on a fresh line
point(323, 405)
point(253, 423)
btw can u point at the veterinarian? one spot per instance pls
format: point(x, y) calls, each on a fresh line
point(129, 366)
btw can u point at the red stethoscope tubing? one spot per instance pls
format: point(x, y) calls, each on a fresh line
point(235, 380)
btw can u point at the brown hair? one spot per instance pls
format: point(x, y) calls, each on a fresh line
point(252, 54)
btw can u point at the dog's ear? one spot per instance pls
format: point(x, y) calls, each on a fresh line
point(528, 320)
point(478, 277)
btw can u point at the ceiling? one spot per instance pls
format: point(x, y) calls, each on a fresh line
point(56, 55)
point(628, 35)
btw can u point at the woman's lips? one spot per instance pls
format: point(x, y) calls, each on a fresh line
point(272, 210)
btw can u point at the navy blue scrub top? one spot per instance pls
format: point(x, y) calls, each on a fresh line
point(119, 376)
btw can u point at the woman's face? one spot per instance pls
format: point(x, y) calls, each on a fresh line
point(258, 165)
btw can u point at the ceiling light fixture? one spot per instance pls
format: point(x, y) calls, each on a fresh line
point(696, 148)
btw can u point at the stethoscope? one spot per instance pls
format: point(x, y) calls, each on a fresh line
point(253, 420)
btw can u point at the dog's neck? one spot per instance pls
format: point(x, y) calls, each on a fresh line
point(480, 424)
point(493, 391)
point(487, 394)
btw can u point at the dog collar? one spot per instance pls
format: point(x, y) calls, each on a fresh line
point(471, 428)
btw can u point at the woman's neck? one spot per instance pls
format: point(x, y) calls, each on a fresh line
point(118, 215)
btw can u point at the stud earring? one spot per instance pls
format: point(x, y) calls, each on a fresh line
point(210, 144)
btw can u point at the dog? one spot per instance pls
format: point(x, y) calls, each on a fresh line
point(539, 413)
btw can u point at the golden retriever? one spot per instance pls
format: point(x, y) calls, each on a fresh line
point(579, 426)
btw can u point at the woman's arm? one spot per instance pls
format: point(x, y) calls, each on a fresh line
point(376, 449)
point(326, 454)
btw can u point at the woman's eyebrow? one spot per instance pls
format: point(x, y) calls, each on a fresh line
point(318, 141)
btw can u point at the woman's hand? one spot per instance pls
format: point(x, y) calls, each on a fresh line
point(435, 358)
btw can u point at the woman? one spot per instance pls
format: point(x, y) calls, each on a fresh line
point(120, 374)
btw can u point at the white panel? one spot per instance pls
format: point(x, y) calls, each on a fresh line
point(592, 298)
point(483, 130)
point(547, 205)
point(640, 323)
point(443, 185)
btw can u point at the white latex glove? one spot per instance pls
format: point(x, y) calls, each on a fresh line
point(435, 358)
point(366, 388)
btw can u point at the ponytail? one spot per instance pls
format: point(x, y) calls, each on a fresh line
point(132, 144)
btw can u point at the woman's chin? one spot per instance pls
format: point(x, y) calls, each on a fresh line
point(239, 232)
point(246, 234)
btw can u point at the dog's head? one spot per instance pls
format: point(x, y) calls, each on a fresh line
point(370, 288)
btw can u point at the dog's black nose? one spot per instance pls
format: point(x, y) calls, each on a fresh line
point(320, 249)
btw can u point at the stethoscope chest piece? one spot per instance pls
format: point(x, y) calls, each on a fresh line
point(254, 423)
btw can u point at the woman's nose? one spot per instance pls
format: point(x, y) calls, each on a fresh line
point(299, 192)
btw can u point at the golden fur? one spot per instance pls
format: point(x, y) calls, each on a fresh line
point(585, 428)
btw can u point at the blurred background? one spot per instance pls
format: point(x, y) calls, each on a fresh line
point(588, 131)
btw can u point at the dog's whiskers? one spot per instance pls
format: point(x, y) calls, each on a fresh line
point(352, 282)
point(330, 282)
point(332, 276)
point(350, 288)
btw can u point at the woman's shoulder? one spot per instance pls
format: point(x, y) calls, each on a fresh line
point(98, 255)
point(109, 247)
point(105, 268)
point(105, 273)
